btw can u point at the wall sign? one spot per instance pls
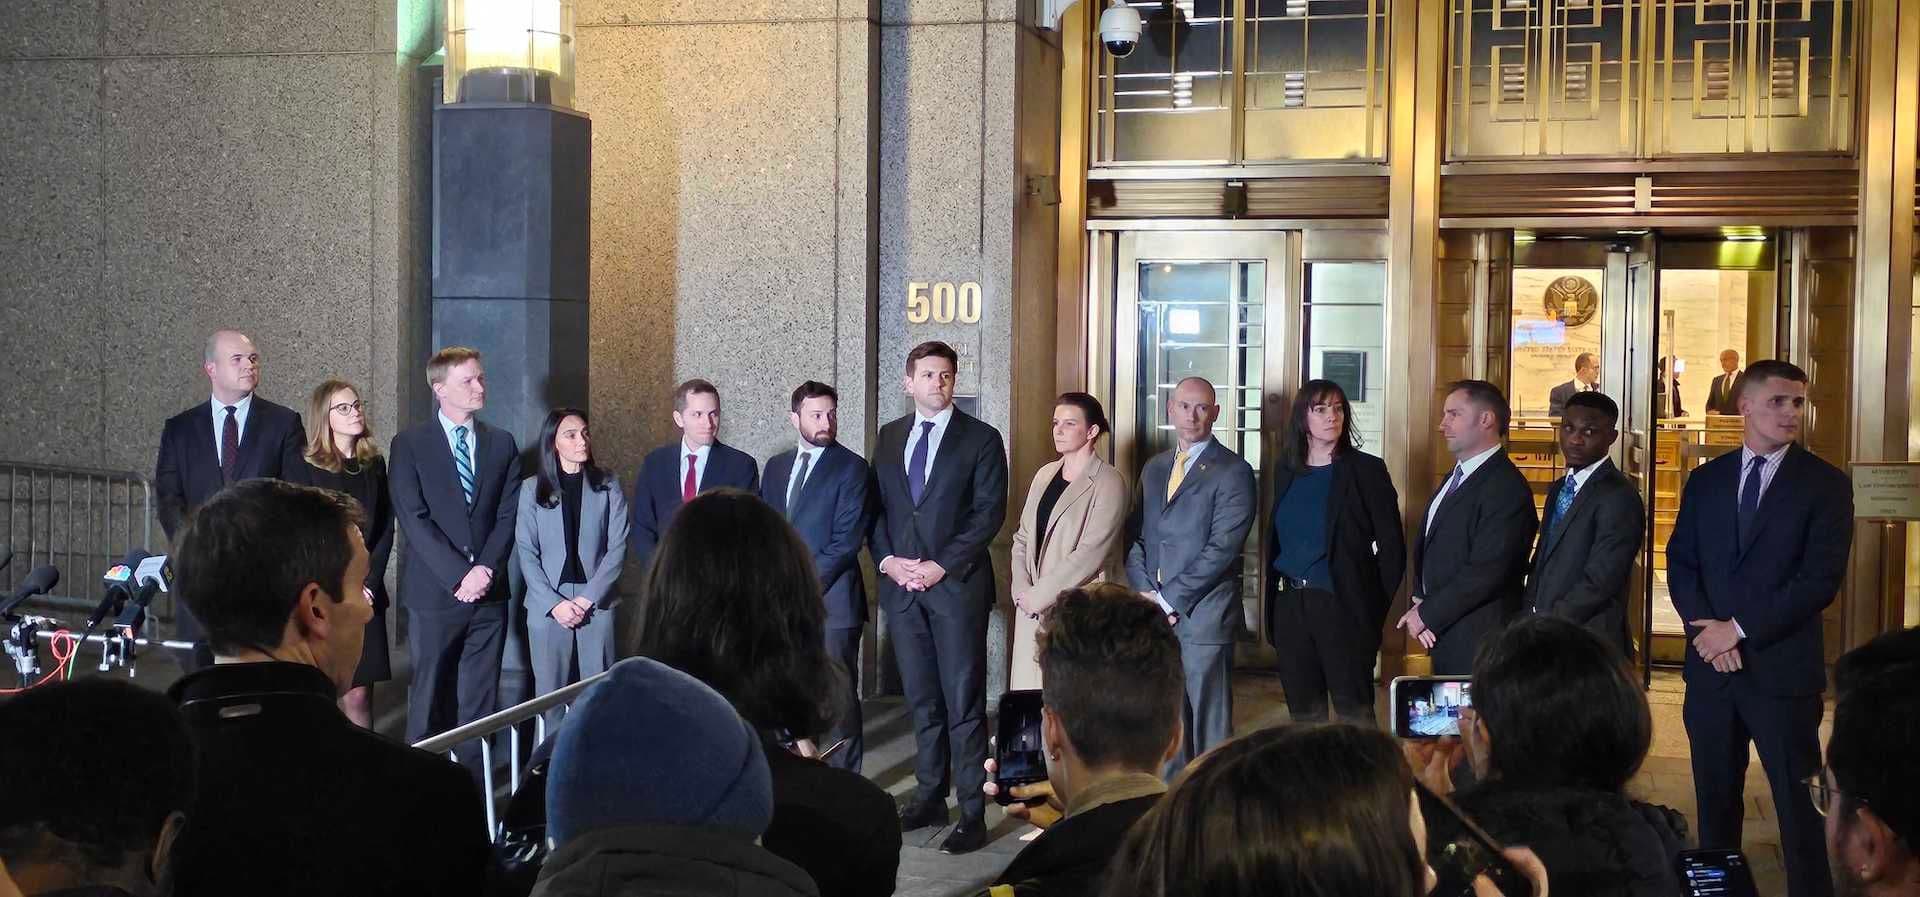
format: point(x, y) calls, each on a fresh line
point(943, 302)
point(1886, 491)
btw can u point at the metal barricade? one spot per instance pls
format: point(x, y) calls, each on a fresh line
point(483, 730)
point(77, 519)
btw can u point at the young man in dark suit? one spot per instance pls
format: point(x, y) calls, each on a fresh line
point(1470, 556)
point(237, 436)
point(672, 475)
point(1758, 551)
point(941, 475)
point(1594, 524)
point(456, 486)
point(821, 487)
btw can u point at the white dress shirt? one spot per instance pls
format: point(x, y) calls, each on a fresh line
point(1767, 471)
point(940, 422)
point(453, 444)
point(700, 456)
point(240, 410)
point(1578, 478)
point(1466, 468)
point(810, 453)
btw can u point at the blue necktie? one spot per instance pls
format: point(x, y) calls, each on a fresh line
point(463, 462)
point(1750, 497)
point(917, 466)
point(1562, 503)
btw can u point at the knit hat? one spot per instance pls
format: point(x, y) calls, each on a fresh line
point(650, 745)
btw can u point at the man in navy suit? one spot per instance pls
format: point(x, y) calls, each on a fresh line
point(672, 475)
point(942, 481)
point(237, 436)
point(1759, 550)
point(456, 485)
point(821, 486)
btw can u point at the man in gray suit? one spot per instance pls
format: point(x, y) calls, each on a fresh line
point(1586, 378)
point(1188, 537)
point(1593, 526)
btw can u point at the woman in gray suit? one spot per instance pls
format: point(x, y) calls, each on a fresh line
point(572, 538)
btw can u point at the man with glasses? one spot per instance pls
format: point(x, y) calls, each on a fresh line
point(1591, 529)
point(1869, 791)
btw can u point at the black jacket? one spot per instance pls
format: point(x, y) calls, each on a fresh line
point(188, 471)
point(668, 861)
point(1594, 844)
point(1582, 574)
point(657, 490)
point(1070, 859)
point(1472, 565)
point(296, 800)
point(835, 824)
point(960, 511)
point(1366, 545)
point(831, 518)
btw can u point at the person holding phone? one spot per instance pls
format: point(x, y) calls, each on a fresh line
point(1111, 721)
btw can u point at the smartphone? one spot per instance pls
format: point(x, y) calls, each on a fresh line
point(1428, 706)
point(1470, 855)
point(1019, 757)
point(829, 751)
point(1716, 873)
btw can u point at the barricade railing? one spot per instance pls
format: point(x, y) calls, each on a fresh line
point(483, 730)
point(79, 520)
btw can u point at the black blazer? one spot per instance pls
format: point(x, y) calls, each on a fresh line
point(962, 509)
point(832, 519)
point(1366, 545)
point(1471, 567)
point(446, 538)
point(656, 490)
point(369, 488)
point(1582, 576)
point(1722, 398)
point(272, 446)
point(1776, 581)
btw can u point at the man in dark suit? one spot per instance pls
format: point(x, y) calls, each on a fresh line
point(1470, 557)
point(237, 436)
point(1759, 550)
point(1586, 378)
point(941, 477)
point(821, 486)
point(1188, 538)
point(1594, 524)
point(672, 475)
point(1723, 397)
point(456, 484)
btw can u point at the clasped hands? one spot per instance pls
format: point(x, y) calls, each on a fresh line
point(474, 585)
point(1417, 628)
point(572, 612)
point(1718, 643)
point(914, 574)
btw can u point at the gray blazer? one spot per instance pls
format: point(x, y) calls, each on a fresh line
point(1581, 567)
point(540, 537)
point(1190, 548)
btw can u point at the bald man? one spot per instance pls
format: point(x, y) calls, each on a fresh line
point(235, 436)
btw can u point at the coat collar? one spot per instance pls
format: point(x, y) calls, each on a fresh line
point(1077, 491)
point(1601, 478)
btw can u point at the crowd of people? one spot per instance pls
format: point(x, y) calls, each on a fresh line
point(725, 757)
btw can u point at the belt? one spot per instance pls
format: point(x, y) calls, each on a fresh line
point(1290, 584)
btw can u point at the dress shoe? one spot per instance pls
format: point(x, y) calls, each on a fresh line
point(970, 835)
point(923, 814)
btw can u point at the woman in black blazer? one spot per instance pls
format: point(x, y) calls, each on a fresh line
point(1335, 552)
point(342, 456)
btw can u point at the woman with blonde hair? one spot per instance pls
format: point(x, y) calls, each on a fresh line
point(341, 456)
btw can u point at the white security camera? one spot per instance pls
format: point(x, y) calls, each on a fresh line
point(1120, 28)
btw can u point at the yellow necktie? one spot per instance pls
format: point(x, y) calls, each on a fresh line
point(1179, 473)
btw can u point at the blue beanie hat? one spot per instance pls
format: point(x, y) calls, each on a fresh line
point(650, 745)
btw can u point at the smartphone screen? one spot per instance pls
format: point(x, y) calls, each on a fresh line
point(1018, 755)
point(1429, 706)
point(1716, 873)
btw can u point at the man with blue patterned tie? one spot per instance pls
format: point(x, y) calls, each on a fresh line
point(456, 485)
point(1593, 526)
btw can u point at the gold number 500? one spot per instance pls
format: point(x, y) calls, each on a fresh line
point(943, 302)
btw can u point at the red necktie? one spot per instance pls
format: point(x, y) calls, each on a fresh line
point(687, 486)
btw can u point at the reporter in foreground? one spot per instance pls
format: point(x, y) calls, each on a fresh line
point(1869, 791)
point(1113, 690)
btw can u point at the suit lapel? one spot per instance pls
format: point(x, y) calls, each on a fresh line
point(593, 511)
point(1596, 481)
point(777, 480)
point(211, 457)
point(828, 463)
point(942, 462)
point(1208, 460)
point(1465, 490)
point(250, 441)
point(1770, 500)
point(1077, 491)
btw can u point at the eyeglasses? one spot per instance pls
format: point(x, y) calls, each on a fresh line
point(344, 407)
point(1823, 791)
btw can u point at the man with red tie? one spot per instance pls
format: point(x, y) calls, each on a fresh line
point(673, 474)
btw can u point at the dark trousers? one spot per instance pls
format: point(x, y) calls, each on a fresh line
point(943, 670)
point(1324, 648)
point(1206, 717)
point(456, 655)
point(1785, 730)
point(844, 645)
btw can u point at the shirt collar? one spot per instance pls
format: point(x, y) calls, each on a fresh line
point(1126, 786)
point(940, 420)
point(807, 448)
point(1580, 477)
point(1747, 455)
point(240, 408)
point(700, 452)
point(1196, 450)
point(447, 424)
point(1471, 464)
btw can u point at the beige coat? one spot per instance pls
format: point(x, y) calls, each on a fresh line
point(1079, 546)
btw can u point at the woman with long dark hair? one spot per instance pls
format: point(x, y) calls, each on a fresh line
point(571, 535)
point(1335, 553)
point(342, 455)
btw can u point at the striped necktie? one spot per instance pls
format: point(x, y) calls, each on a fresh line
point(463, 462)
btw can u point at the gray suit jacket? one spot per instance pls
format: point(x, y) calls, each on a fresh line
point(1191, 548)
point(1581, 567)
point(540, 537)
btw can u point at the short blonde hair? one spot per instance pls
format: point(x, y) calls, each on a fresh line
point(446, 360)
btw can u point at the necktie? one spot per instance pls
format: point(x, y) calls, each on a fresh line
point(1453, 482)
point(1562, 503)
point(1179, 474)
point(463, 463)
point(229, 447)
point(1750, 498)
point(917, 465)
point(688, 485)
point(799, 479)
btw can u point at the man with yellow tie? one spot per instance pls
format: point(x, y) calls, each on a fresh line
point(1187, 539)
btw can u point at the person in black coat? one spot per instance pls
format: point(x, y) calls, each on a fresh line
point(1594, 525)
point(672, 475)
point(1335, 551)
point(941, 479)
point(342, 456)
point(293, 798)
point(821, 487)
point(235, 436)
point(1758, 551)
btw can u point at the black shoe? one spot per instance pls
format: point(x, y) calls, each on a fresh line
point(970, 835)
point(923, 814)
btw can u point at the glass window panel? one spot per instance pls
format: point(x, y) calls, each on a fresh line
point(1170, 99)
point(1346, 338)
point(1191, 319)
point(1316, 79)
point(1347, 282)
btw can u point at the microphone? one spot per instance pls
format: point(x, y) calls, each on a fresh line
point(154, 576)
point(120, 585)
point(39, 582)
